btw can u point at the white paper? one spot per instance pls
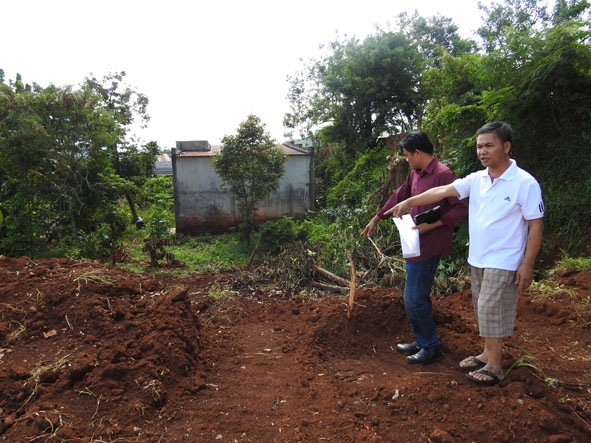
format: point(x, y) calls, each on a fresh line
point(409, 237)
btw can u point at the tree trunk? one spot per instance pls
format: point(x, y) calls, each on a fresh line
point(131, 208)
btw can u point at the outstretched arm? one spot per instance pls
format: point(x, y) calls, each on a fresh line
point(430, 196)
point(370, 226)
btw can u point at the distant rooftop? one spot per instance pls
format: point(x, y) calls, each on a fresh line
point(163, 165)
point(202, 148)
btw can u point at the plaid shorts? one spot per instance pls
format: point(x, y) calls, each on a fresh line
point(494, 296)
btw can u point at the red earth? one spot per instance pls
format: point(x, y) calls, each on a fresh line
point(93, 353)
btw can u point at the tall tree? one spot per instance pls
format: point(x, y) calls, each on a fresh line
point(505, 20)
point(136, 166)
point(56, 174)
point(362, 90)
point(22, 166)
point(59, 147)
point(127, 106)
point(359, 90)
point(535, 73)
point(77, 130)
point(540, 80)
point(434, 37)
point(250, 164)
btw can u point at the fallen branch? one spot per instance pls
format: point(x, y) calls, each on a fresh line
point(335, 278)
point(327, 287)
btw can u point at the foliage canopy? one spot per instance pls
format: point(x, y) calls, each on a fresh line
point(250, 164)
point(65, 163)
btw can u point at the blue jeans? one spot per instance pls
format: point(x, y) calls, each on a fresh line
point(417, 301)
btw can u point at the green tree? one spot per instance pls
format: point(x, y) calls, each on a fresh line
point(506, 20)
point(126, 105)
point(22, 171)
point(358, 91)
point(250, 164)
point(362, 90)
point(59, 189)
point(56, 164)
point(455, 111)
point(136, 166)
point(351, 97)
point(535, 73)
point(434, 37)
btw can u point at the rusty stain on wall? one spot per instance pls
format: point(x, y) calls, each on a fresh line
point(202, 205)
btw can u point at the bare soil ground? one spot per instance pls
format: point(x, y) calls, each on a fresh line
point(91, 353)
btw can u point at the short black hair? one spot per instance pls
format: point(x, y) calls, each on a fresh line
point(417, 140)
point(502, 130)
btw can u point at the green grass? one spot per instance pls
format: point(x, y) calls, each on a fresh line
point(571, 265)
point(198, 254)
point(528, 360)
point(211, 254)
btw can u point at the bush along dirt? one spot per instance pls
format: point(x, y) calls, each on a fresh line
point(92, 353)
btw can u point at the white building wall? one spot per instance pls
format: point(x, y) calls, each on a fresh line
point(202, 206)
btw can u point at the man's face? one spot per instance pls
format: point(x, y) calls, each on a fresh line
point(412, 158)
point(491, 151)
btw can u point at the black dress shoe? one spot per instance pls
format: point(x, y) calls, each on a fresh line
point(425, 356)
point(408, 348)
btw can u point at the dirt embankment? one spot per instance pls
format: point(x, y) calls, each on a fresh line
point(91, 353)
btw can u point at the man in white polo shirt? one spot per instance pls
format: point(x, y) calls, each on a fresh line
point(505, 219)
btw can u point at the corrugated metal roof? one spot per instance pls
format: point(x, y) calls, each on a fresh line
point(163, 165)
point(217, 148)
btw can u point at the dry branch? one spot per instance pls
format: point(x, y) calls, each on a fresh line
point(384, 257)
point(352, 284)
point(327, 287)
point(335, 278)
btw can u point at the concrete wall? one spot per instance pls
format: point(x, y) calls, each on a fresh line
point(202, 206)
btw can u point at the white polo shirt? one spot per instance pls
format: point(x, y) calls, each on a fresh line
point(498, 215)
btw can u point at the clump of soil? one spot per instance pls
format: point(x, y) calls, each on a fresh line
point(92, 353)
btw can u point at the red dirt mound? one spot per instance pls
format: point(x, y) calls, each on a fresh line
point(92, 353)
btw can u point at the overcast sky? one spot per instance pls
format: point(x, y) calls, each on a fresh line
point(204, 65)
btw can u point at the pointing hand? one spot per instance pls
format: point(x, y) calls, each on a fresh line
point(398, 210)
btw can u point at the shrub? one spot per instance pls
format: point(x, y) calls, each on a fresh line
point(276, 233)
